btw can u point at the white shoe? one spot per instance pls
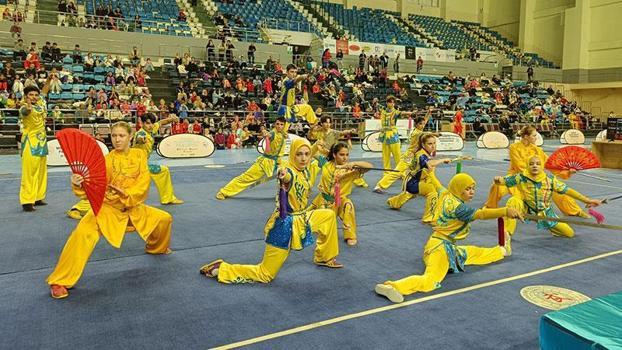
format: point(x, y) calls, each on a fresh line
point(390, 292)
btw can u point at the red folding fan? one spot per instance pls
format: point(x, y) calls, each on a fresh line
point(572, 158)
point(85, 158)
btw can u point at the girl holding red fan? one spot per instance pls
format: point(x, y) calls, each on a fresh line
point(34, 150)
point(533, 194)
point(520, 153)
point(338, 176)
point(127, 188)
point(292, 229)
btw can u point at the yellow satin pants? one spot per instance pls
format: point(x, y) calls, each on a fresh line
point(322, 222)
point(263, 167)
point(437, 264)
point(346, 212)
point(426, 189)
point(561, 229)
point(389, 150)
point(390, 177)
point(164, 184)
point(305, 112)
point(83, 239)
point(34, 178)
point(565, 203)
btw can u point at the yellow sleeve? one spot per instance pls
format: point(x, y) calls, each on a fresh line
point(576, 195)
point(138, 191)
point(489, 213)
point(516, 161)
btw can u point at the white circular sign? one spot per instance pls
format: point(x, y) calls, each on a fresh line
point(602, 136)
point(186, 146)
point(56, 157)
point(572, 137)
point(495, 140)
point(371, 143)
point(448, 141)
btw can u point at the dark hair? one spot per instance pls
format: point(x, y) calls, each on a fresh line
point(391, 98)
point(281, 119)
point(30, 88)
point(335, 149)
point(150, 117)
point(419, 120)
point(291, 66)
point(324, 118)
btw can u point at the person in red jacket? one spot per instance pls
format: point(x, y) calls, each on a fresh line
point(220, 139)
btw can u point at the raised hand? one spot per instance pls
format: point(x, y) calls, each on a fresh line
point(77, 180)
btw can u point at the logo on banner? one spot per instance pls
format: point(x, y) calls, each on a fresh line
point(551, 297)
point(572, 137)
point(411, 53)
point(343, 46)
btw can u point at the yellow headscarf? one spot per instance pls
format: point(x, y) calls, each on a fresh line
point(295, 146)
point(541, 176)
point(459, 183)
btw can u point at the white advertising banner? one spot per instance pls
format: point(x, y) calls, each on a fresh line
point(186, 146)
point(56, 157)
point(372, 125)
point(356, 47)
point(435, 54)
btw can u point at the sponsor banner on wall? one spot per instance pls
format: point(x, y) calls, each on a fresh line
point(56, 157)
point(411, 53)
point(354, 48)
point(572, 137)
point(372, 125)
point(343, 46)
point(435, 54)
point(186, 146)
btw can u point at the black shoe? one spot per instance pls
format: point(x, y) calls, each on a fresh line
point(41, 202)
point(28, 207)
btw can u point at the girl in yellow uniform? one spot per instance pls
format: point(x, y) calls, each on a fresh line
point(143, 139)
point(534, 190)
point(265, 165)
point(402, 166)
point(421, 179)
point(337, 169)
point(34, 150)
point(128, 185)
point(441, 254)
point(388, 133)
point(295, 231)
point(520, 153)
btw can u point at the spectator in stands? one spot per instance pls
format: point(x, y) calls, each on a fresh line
point(135, 56)
point(419, 64)
point(76, 55)
point(57, 56)
point(530, 73)
point(4, 84)
point(18, 88)
point(46, 52)
point(478, 127)
point(326, 58)
point(362, 60)
point(148, 66)
point(251, 53)
point(32, 61)
point(19, 51)
point(72, 9)
point(6, 15)
point(138, 23)
point(220, 139)
point(196, 127)
point(30, 81)
point(211, 57)
point(229, 51)
point(396, 63)
point(181, 16)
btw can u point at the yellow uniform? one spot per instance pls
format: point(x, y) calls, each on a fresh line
point(34, 154)
point(289, 109)
point(420, 180)
point(452, 220)
point(533, 195)
point(402, 166)
point(160, 174)
point(128, 171)
point(294, 232)
point(330, 138)
point(326, 198)
point(265, 165)
point(389, 137)
point(519, 157)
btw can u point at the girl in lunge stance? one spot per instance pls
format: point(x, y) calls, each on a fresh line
point(339, 170)
point(128, 185)
point(452, 218)
point(295, 231)
point(534, 190)
point(421, 179)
